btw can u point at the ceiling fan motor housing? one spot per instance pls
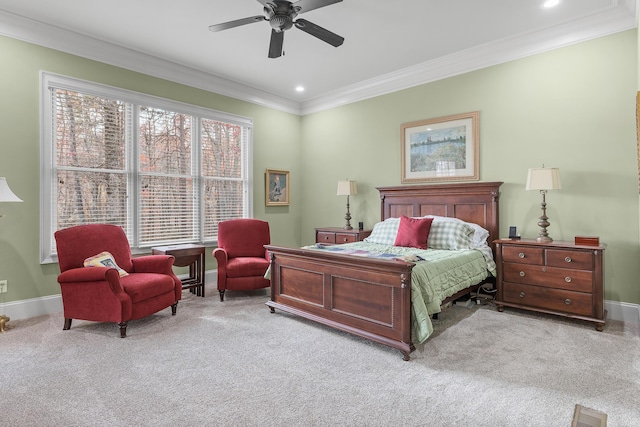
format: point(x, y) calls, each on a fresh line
point(281, 14)
point(281, 22)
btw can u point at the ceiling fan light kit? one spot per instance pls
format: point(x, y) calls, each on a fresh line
point(281, 14)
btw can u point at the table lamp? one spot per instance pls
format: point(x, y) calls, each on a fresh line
point(347, 188)
point(543, 179)
point(6, 195)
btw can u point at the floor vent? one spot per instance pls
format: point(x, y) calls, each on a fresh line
point(587, 417)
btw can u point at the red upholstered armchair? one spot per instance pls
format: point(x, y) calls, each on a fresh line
point(241, 256)
point(99, 293)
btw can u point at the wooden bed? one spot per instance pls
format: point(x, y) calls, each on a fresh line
point(370, 297)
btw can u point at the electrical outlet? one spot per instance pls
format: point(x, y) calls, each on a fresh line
point(3, 286)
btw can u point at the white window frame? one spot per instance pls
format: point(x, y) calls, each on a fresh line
point(47, 172)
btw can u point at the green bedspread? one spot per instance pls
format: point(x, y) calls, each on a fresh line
point(441, 274)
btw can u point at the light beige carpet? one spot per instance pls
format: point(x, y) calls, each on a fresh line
point(235, 363)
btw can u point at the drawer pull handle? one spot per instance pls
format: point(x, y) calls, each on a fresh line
point(568, 259)
point(567, 279)
point(520, 255)
point(522, 274)
point(345, 239)
point(567, 301)
point(326, 237)
point(522, 294)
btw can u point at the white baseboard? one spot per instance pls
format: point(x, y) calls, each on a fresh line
point(623, 311)
point(34, 307)
point(23, 309)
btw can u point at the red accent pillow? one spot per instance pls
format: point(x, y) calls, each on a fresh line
point(413, 232)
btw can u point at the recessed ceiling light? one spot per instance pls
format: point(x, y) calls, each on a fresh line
point(550, 3)
point(299, 88)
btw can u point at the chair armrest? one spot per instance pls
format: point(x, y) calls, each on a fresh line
point(104, 277)
point(88, 274)
point(221, 257)
point(153, 264)
point(162, 264)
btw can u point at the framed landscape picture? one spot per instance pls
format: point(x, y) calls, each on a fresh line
point(277, 188)
point(441, 149)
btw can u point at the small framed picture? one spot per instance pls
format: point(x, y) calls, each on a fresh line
point(441, 149)
point(277, 188)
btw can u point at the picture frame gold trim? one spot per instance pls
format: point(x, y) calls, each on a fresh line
point(277, 185)
point(441, 149)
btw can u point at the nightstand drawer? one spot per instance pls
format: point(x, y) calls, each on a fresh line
point(339, 236)
point(522, 254)
point(324, 237)
point(345, 238)
point(561, 278)
point(551, 299)
point(578, 260)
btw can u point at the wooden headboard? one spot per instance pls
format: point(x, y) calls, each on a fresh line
point(475, 202)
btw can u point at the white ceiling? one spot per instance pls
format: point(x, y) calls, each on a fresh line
point(389, 45)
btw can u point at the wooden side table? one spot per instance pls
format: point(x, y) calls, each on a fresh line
point(191, 256)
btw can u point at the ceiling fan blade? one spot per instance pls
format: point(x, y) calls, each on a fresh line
point(307, 5)
point(317, 31)
point(275, 46)
point(264, 2)
point(236, 23)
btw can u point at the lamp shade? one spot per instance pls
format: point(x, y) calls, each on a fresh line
point(543, 179)
point(6, 195)
point(347, 188)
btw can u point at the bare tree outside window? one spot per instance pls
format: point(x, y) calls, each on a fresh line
point(222, 173)
point(116, 161)
point(166, 171)
point(91, 175)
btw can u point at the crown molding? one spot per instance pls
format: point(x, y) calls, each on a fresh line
point(620, 16)
point(617, 18)
point(31, 31)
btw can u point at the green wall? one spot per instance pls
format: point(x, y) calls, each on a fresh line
point(571, 108)
point(20, 155)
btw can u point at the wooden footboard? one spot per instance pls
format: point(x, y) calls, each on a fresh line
point(329, 289)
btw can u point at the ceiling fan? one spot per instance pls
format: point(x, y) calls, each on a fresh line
point(281, 14)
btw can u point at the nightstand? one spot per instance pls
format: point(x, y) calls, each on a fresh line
point(554, 277)
point(338, 236)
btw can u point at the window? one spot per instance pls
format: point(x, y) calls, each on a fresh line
point(165, 171)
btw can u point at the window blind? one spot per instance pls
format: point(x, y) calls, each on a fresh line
point(224, 148)
point(167, 172)
point(90, 169)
